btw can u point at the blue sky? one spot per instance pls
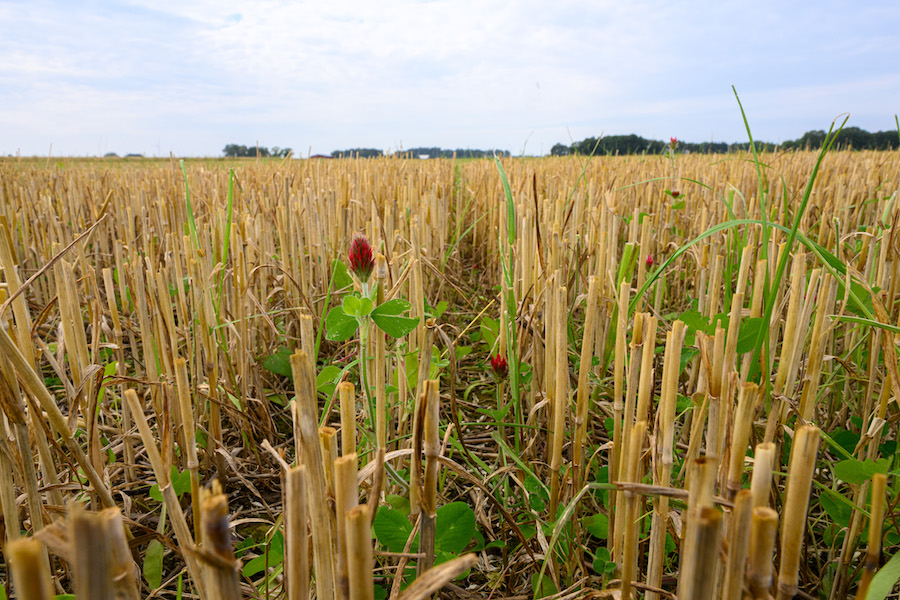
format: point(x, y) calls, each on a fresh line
point(190, 77)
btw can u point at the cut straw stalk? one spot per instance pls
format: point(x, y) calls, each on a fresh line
point(560, 398)
point(221, 567)
point(346, 498)
point(763, 528)
point(699, 565)
point(738, 546)
point(358, 542)
point(381, 272)
point(432, 448)
point(631, 530)
point(581, 410)
point(186, 410)
point(800, 474)
point(664, 455)
point(296, 534)
point(618, 410)
point(876, 523)
point(347, 395)
point(321, 519)
point(743, 422)
point(162, 474)
point(628, 421)
point(30, 571)
point(761, 480)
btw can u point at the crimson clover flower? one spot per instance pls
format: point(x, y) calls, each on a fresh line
point(361, 259)
point(499, 366)
point(673, 142)
point(649, 261)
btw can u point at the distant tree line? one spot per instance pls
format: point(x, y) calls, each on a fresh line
point(357, 152)
point(849, 137)
point(236, 151)
point(420, 153)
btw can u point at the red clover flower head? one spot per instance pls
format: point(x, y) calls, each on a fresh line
point(673, 142)
point(499, 366)
point(361, 259)
point(649, 261)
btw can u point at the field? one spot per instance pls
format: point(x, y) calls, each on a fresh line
point(611, 377)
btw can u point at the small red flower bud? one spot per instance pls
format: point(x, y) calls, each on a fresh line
point(675, 193)
point(649, 261)
point(361, 259)
point(673, 141)
point(499, 366)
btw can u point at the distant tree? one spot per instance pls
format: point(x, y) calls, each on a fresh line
point(111, 155)
point(560, 150)
point(237, 151)
point(357, 153)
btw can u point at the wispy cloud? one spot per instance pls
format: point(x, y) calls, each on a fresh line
point(190, 77)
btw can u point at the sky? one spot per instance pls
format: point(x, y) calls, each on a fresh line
point(84, 78)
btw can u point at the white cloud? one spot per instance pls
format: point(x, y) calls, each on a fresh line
point(194, 76)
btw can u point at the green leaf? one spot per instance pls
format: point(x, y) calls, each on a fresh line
point(365, 306)
point(388, 316)
point(597, 525)
point(885, 579)
point(542, 586)
point(339, 326)
point(341, 278)
point(463, 351)
point(454, 527)
point(275, 557)
point(839, 511)
point(602, 564)
point(747, 334)
point(278, 363)
point(846, 439)
point(857, 471)
point(327, 376)
point(490, 329)
point(391, 528)
point(350, 305)
point(181, 483)
point(153, 560)
point(437, 310)
point(399, 503)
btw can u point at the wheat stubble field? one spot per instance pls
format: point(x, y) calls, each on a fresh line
point(619, 377)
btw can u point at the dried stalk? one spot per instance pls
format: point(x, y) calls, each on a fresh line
point(347, 395)
point(432, 448)
point(221, 566)
point(664, 455)
point(800, 475)
point(359, 553)
point(763, 527)
point(560, 398)
point(876, 523)
point(761, 480)
point(30, 571)
point(296, 535)
point(322, 520)
point(346, 498)
point(738, 546)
